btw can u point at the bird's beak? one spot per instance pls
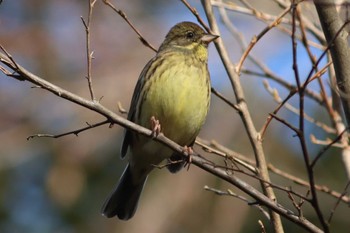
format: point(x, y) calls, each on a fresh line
point(207, 38)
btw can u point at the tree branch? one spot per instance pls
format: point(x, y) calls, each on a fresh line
point(196, 159)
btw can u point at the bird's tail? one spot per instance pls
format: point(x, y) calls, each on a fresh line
point(123, 200)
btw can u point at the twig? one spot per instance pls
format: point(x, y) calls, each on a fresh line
point(232, 194)
point(125, 17)
point(255, 39)
point(262, 199)
point(223, 98)
point(297, 205)
point(121, 109)
point(337, 203)
point(262, 227)
point(269, 118)
point(301, 130)
point(229, 153)
point(89, 53)
point(325, 142)
point(322, 152)
point(196, 160)
point(244, 113)
point(277, 98)
point(75, 132)
point(196, 14)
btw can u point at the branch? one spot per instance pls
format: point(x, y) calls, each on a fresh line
point(75, 132)
point(253, 135)
point(196, 159)
point(248, 163)
point(89, 54)
point(125, 17)
point(333, 26)
point(259, 197)
point(232, 194)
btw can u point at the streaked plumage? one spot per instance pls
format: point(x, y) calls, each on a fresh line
point(174, 87)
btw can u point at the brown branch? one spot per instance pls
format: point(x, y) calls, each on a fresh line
point(125, 17)
point(259, 197)
point(196, 160)
point(223, 98)
point(225, 152)
point(232, 194)
point(196, 14)
point(253, 135)
point(323, 151)
point(337, 37)
point(337, 202)
point(255, 39)
point(301, 130)
point(73, 132)
point(89, 53)
point(274, 93)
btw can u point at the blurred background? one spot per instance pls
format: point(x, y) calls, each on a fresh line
point(59, 185)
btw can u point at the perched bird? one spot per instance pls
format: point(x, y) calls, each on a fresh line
point(173, 91)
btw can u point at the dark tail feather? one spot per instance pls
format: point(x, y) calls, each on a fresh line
point(123, 200)
point(176, 162)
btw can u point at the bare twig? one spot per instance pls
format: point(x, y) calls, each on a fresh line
point(301, 130)
point(225, 152)
point(125, 17)
point(196, 14)
point(89, 53)
point(318, 156)
point(121, 108)
point(337, 203)
point(74, 132)
point(253, 135)
point(232, 194)
point(271, 204)
point(337, 38)
point(277, 98)
point(196, 160)
point(255, 39)
point(262, 227)
point(223, 98)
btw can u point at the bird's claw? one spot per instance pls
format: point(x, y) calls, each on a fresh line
point(189, 152)
point(155, 126)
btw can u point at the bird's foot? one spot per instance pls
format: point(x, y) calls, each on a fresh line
point(189, 152)
point(155, 126)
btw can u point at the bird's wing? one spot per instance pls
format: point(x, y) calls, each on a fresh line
point(133, 106)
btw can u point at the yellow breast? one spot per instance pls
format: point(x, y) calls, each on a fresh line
point(178, 96)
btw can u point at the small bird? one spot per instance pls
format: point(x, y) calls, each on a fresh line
point(172, 96)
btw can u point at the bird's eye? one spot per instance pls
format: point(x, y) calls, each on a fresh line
point(190, 35)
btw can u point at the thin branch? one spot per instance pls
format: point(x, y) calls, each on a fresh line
point(269, 118)
point(255, 39)
point(244, 113)
point(89, 53)
point(125, 17)
point(225, 152)
point(196, 160)
point(323, 151)
point(223, 98)
point(337, 203)
point(301, 130)
point(232, 194)
point(333, 28)
point(196, 14)
point(74, 132)
point(274, 93)
point(262, 199)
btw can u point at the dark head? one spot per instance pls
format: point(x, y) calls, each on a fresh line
point(187, 35)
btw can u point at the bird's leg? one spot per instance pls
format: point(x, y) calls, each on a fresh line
point(189, 152)
point(155, 126)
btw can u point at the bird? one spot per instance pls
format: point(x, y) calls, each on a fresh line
point(172, 96)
